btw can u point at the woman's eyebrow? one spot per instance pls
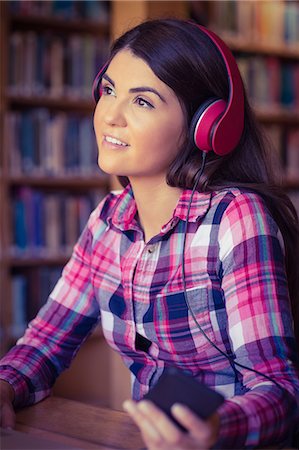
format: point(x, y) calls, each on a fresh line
point(137, 89)
point(106, 77)
point(147, 89)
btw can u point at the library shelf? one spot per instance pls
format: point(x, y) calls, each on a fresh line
point(29, 260)
point(58, 24)
point(67, 103)
point(56, 93)
point(277, 115)
point(93, 181)
point(285, 51)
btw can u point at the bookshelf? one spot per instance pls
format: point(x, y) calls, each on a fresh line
point(264, 37)
point(46, 97)
point(108, 383)
point(43, 103)
point(49, 55)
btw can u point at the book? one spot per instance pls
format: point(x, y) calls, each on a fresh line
point(95, 10)
point(51, 144)
point(50, 64)
point(19, 287)
point(265, 22)
point(270, 81)
point(30, 290)
point(49, 224)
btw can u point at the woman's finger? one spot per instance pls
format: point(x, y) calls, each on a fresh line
point(205, 431)
point(148, 430)
point(169, 432)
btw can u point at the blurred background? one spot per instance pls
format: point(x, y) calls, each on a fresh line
point(49, 179)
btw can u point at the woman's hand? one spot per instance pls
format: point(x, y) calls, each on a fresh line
point(159, 432)
point(7, 414)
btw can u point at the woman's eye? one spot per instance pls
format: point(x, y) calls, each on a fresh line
point(144, 103)
point(106, 90)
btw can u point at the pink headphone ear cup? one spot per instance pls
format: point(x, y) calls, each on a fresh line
point(204, 122)
point(222, 134)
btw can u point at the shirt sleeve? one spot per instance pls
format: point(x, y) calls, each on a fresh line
point(260, 328)
point(53, 338)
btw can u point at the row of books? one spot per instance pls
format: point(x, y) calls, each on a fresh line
point(97, 10)
point(270, 81)
point(270, 22)
point(285, 144)
point(46, 223)
point(29, 292)
point(41, 142)
point(54, 65)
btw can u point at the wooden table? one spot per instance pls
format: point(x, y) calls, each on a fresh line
point(77, 425)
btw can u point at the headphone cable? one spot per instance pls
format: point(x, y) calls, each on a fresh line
point(231, 360)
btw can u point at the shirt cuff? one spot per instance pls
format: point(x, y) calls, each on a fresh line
point(17, 382)
point(233, 427)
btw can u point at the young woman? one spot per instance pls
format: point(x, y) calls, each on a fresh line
point(198, 280)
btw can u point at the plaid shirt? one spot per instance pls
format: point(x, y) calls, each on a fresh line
point(237, 289)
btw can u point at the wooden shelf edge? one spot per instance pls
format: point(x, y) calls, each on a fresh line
point(271, 113)
point(239, 44)
point(275, 114)
point(58, 23)
point(28, 260)
point(46, 101)
point(62, 181)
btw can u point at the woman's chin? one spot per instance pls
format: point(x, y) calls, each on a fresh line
point(109, 169)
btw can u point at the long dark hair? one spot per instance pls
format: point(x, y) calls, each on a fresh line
point(185, 59)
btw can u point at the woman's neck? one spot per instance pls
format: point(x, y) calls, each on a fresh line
point(155, 202)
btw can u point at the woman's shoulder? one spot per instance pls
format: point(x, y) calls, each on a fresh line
point(230, 199)
point(237, 194)
point(245, 208)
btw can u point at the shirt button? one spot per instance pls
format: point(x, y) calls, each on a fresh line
point(151, 249)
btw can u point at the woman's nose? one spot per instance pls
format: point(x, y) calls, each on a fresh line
point(114, 114)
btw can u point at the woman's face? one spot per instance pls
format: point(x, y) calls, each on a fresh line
point(139, 122)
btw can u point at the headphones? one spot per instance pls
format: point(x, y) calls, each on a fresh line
point(217, 125)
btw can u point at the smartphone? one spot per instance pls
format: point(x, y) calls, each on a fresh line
point(175, 386)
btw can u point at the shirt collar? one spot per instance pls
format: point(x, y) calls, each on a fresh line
point(124, 214)
point(199, 207)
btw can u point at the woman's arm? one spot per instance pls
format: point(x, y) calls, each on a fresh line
point(259, 326)
point(53, 338)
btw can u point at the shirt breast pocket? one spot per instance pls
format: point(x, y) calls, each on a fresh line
point(176, 330)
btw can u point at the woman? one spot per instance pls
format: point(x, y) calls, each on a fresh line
point(221, 312)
